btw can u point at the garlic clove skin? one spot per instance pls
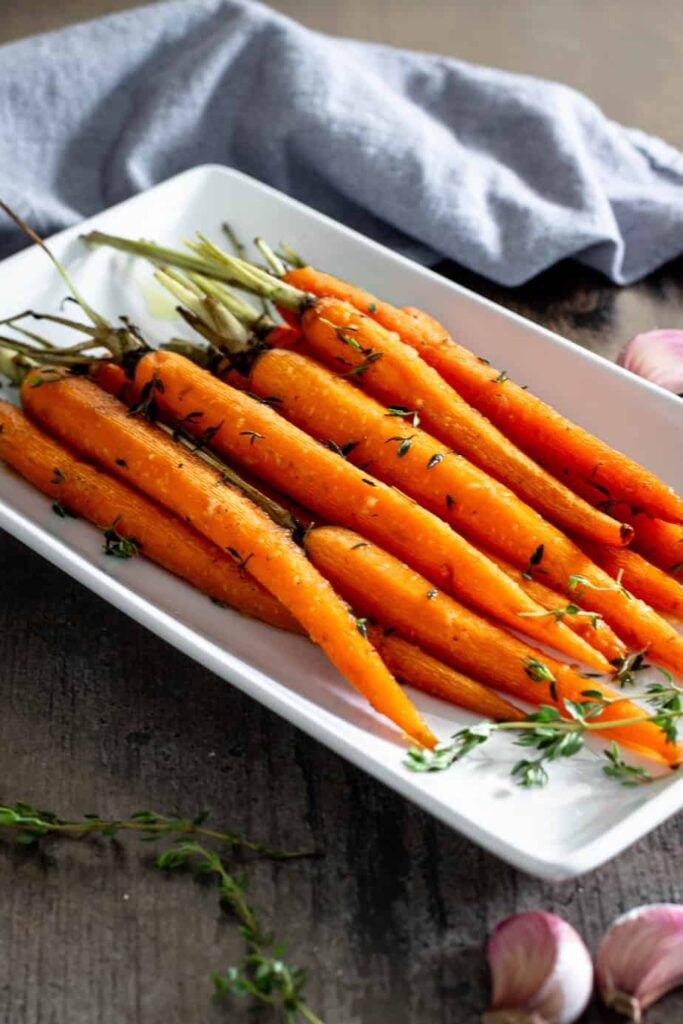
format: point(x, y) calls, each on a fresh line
point(658, 357)
point(640, 958)
point(541, 971)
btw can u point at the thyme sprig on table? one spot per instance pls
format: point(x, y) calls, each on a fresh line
point(262, 974)
point(555, 736)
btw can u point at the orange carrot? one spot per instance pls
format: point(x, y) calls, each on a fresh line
point(380, 586)
point(96, 424)
point(360, 349)
point(257, 437)
point(472, 503)
point(166, 540)
point(111, 505)
point(300, 471)
point(641, 578)
point(415, 667)
point(567, 450)
point(659, 542)
point(594, 630)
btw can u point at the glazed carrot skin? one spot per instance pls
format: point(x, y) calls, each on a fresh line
point(353, 345)
point(565, 449)
point(166, 540)
point(412, 665)
point(378, 585)
point(474, 504)
point(84, 416)
point(329, 408)
point(646, 581)
point(659, 542)
point(385, 518)
point(595, 632)
point(481, 508)
point(260, 439)
point(103, 500)
point(571, 453)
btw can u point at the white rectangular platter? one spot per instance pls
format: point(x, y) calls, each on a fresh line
point(581, 819)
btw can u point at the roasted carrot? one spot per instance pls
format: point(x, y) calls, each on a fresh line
point(565, 449)
point(98, 425)
point(163, 538)
point(166, 540)
point(357, 347)
point(474, 504)
point(659, 542)
point(640, 577)
point(124, 513)
point(415, 667)
point(258, 437)
point(592, 628)
point(380, 586)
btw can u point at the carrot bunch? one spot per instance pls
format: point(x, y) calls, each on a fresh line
point(432, 534)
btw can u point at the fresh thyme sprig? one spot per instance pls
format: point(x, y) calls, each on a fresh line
point(262, 974)
point(578, 581)
point(116, 545)
point(555, 736)
point(562, 611)
point(32, 825)
point(627, 667)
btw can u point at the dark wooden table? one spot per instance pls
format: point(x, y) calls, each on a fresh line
point(99, 715)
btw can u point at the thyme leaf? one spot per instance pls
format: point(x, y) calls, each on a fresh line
point(253, 435)
point(118, 546)
point(537, 671)
point(403, 411)
point(370, 358)
point(47, 375)
point(62, 511)
point(627, 774)
point(147, 406)
point(404, 446)
point(362, 626)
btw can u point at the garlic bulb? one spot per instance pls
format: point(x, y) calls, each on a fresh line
point(658, 357)
point(541, 971)
point(640, 958)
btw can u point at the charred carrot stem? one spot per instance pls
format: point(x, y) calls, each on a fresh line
point(381, 587)
point(97, 425)
point(158, 535)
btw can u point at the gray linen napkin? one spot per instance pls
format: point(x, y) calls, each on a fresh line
point(503, 173)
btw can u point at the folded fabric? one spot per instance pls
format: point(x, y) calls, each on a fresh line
point(503, 173)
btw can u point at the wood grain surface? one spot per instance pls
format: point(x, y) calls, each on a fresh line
point(99, 715)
